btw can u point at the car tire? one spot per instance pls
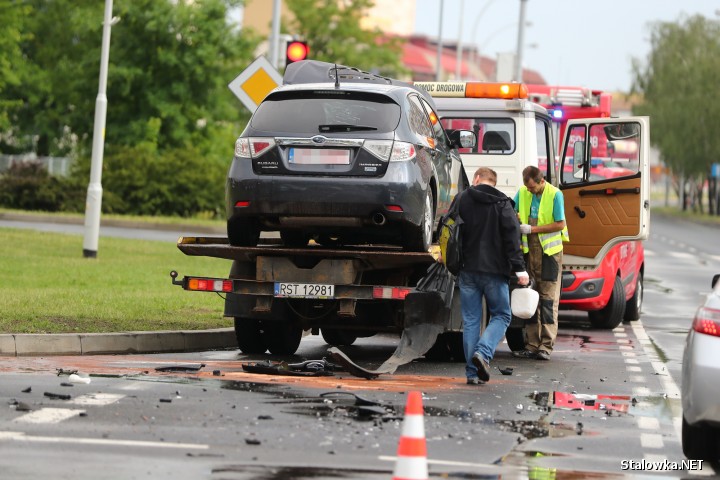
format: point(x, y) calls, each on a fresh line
point(293, 238)
point(243, 232)
point(634, 305)
point(282, 338)
point(612, 314)
point(337, 338)
point(515, 338)
point(699, 442)
point(418, 238)
point(248, 333)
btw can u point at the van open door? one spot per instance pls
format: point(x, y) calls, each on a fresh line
point(604, 177)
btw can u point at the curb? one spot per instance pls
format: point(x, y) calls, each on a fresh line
point(29, 344)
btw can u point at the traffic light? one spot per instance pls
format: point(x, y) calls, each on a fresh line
point(296, 51)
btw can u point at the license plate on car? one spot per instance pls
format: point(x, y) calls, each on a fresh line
point(318, 156)
point(304, 290)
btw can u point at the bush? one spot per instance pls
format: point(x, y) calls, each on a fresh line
point(29, 186)
point(180, 182)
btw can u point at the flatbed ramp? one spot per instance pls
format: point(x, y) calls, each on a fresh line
point(373, 256)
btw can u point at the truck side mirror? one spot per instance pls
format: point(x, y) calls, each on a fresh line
point(462, 138)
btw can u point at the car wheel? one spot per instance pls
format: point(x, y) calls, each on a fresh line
point(418, 238)
point(337, 338)
point(243, 232)
point(515, 338)
point(634, 305)
point(699, 442)
point(249, 336)
point(294, 238)
point(612, 314)
point(282, 338)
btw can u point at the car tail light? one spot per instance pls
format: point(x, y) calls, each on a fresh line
point(253, 147)
point(707, 321)
point(380, 148)
point(402, 152)
point(209, 284)
point(391, 293)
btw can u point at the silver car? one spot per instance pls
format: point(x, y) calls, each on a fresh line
point(701, 381)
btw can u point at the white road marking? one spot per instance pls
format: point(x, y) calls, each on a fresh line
point(638, 378)
point(96, 399)
point(651, 440)
point(634, 369)
point(641, 391)
point(22, 437)
point(648, 423)
point(632, 360)
point(49, 415)
point(503, 468)
point(620, 334)
point(649, 253)
point(682, 255)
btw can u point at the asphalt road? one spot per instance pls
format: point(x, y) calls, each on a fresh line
point(221, 422)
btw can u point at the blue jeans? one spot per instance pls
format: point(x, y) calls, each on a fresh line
point(495, 289)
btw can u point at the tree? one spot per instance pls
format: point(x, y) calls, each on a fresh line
point(678, 87)
point(12, 34)
point(332, 30)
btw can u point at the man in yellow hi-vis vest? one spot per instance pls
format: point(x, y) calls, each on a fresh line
point(541, 210)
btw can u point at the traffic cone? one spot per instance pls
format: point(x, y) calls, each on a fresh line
point(412, 451)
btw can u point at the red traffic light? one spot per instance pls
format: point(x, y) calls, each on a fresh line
point(296, 51)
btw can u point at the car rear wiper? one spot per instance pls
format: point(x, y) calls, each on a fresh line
point(343, 127)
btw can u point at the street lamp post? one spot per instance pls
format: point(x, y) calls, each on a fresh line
point(94, 192)
point(438, 69)
point(521, 33)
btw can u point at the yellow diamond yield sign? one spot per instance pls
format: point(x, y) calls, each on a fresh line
point(255, 82)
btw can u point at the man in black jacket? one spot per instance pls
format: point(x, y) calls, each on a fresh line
point(491, 251)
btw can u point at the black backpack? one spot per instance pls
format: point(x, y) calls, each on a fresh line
point(450, 237)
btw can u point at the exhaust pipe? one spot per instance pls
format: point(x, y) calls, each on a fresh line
point(378, 219)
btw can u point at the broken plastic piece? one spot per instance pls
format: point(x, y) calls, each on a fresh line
point(181, 368)
point(75, 378)
point(57, 396)
point(506, 371)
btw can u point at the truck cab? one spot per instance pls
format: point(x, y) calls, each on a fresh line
point(606, 208)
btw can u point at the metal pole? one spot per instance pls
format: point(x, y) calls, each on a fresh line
point(458, 59)
point(438, 70)
point(274, 46)
point(521, 34)
point(94, 192)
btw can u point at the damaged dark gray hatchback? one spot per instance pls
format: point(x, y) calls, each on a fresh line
point(345, 158)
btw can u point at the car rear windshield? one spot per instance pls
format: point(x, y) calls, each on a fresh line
point(326, 111)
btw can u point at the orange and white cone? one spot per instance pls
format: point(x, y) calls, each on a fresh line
point(412, 451)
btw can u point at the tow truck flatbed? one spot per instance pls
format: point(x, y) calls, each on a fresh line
point(373, 257)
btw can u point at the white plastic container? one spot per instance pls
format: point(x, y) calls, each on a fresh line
point(524, 302)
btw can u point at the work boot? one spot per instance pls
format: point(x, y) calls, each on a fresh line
point(482, 366)
point(542, 355)
point(524, 354)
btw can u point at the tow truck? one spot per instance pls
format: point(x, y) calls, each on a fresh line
point(379, 288)
point(531, 117)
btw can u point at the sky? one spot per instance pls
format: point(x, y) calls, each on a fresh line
point(589, 43)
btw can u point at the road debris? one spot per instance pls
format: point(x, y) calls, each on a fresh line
point(75, 378)
point(181, 368)
point(57, 396)
point(311, 368)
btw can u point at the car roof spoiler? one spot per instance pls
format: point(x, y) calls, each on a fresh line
point(315, 71)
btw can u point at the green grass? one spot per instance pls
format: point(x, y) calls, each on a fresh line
point(47, 286)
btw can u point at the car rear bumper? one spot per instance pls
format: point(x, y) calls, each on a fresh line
point(701, 379)
point(298, 201)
